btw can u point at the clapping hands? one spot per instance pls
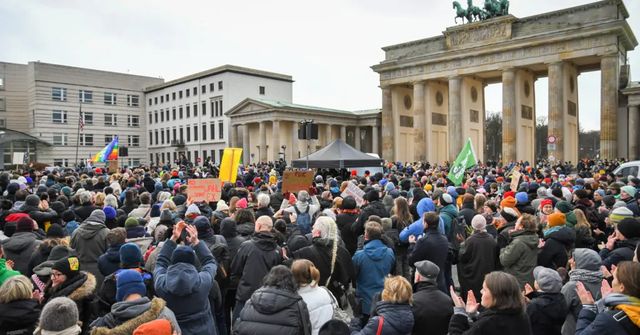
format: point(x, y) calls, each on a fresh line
point(470, 307)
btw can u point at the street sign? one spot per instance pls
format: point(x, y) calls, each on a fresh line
point(551, 146)
point(552, 139)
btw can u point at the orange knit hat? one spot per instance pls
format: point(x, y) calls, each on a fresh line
point(155, 327)
point(556, 219)
point(508, 202)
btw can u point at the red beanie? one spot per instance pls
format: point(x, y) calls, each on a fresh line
point(155, 327)
point(545, 202)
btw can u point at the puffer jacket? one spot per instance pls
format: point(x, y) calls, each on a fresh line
point(622, 251)
point(42, 217)
point(90, 241)
point(373, 208)
point(81, 289)
point(556, 247)
point(19, 317)
point(19, 248)
point(417, 227)
point(126, 316)
point(587, 271)
point(397, 319)
point(619, 310)
point(254, 260)
point(372, 265)
point(109, 262)
point(274, 311)
point(319, 303)
point(491, 322)
point(520, 256)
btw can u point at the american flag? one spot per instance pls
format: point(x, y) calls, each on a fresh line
point(81, 121)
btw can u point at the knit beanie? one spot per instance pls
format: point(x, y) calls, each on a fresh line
point(183, 254)
point(155, 327)
point(548, 280)
point(522, 197)
point(69, 266)
point(630, 190)
point(242, 203)
point(509, 194)
point(509, 214)
point(129, 282)
point(221, 206)
point(130, 255)
point(55, 231)
point(564, 206)
point(131, 222)
point(629, 227)
point(445, 199)
point(179, 200)
point(109, 213)
point(59, 314)
point(619, 214)
point(609, 200)
point(203, 226)
point(32, 200)
point(192, 210)
point(545, 202)
point(508, 202)
point(24, 224)
point(556, 219)
point(479, 223)
point(166, 218)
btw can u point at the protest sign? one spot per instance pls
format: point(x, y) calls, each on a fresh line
point(515, 178)
point(113, 166)
point(294, 181)
point(355, 192)
point(208, 189)
point(229, 167)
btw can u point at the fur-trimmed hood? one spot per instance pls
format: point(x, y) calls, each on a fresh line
point(77, 289)
point(154, 311)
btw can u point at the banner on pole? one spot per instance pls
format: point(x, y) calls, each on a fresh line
point(229, 167)
point(18, 158)
point(208, 190)
point(294, 181)
point(466, 159)
point(353, 191)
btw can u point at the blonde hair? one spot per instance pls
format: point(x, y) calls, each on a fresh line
point(397, 290)
point(15, 288)
point(581, 220)
point(168, 204)
point(305, 273)
point(99, 199)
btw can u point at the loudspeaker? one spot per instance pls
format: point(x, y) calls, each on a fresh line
point(308, 132)
point(123, 152)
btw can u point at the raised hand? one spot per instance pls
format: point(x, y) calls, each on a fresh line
point(585, 296)
point(457, 301)
point(472, 304)
point(192, 235)
point(605, 289)
point(527, 289)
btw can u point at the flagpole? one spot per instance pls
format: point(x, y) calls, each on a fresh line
point(78, 136)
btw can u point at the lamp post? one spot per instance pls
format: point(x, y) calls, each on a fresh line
point(284, 153)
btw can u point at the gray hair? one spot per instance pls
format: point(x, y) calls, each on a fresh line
point(263, 200)
point(542, 192)
point(326, 226)
point(111, 200)
point(303, 196)
point(84, 197)
point(162, 196)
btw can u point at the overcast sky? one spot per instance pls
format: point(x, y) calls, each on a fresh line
point(327, 46)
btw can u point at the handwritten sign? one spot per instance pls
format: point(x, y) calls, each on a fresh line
point(208, 190)
point(113, 166)
point(294, 181)
point(353, 191)
point(515, 178)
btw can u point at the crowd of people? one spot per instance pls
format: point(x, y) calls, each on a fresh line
point(515, 249)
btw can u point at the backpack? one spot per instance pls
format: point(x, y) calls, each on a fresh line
point(304, 221)
point(458, 227)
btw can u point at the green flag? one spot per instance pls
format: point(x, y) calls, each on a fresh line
point(466, 159)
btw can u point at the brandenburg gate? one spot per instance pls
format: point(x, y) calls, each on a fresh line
point(433, 89)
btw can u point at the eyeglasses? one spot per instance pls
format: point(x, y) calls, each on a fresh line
point(56, 274)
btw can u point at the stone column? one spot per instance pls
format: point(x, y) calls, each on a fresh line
point(634, 134)
point(327, 134)
point(246, 145)
point(295, 142)
point(374, 140)
point(275, 139)
point(508, 116)
point(234, 136)
point(420, 152)
point(387, 125)
point(343, 133)
point(609, 106)
point(356, 137)
point(262, 156)
point(556, 109)
point(455, 117)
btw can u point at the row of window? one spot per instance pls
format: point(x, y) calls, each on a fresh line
point(132, 162)
point(88, 139)
point(86, 96)
point(215, 109)
point(163, 136)
point(187, 93)
point(110, 119)
point(161, 158)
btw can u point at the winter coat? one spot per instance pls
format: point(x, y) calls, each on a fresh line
point(234, 240)
point(274, 311)
point(126, 316)
point(109, 262)
point(448, 213)
point(84, 211)
point(604, 323)
point(397, 319)
point(186, 290)
point(140, 212)
point(373, 208)
point(319, 304)
point(477, 257)
point(252, 263)
point(547, 312)
point(345, 221)
point(622, 251)
point(556, 247)
point(584, 238)
point(417, 227)
point(90, 241)
point(19, 248)
point(521, 256)
point(19, 317)
point(432, 247)
point(372, 264)
point(491, 322)
point(81, 289)
point(587, 272)
point(431, 308)
point(40, 216)
point(108, 290)
point(467, 212)
point(41, 254)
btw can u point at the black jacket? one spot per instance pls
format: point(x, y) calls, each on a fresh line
point(19, 317)
point(274, 311)
point(554, 254)
point(252, 262)
point(433, 247)
point(84, 211)
point(547, 312)
point(492, 322)
point(373, 208)
point(432, 310)
point(477, 257)
point(397, 320)
point(344, 222)
point(320, 253)
point(622, 251)
point(38, 215)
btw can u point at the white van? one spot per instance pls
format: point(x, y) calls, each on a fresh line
point(628, 168)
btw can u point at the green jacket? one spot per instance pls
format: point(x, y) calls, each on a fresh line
point(521, 256)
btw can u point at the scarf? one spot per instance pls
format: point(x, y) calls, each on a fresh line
point(73, 330)
point(628, 304)
point(548, 232)
point(585, 276)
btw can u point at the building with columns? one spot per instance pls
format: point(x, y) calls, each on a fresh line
point(267, 130)
point(433, 89)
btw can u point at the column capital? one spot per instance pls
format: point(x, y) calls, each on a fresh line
point(454, 77)
point(610, 55)
point(418, 82)
point(509, 69)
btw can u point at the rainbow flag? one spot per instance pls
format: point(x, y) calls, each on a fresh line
point(109, 153)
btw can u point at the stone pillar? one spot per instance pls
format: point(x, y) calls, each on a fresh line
point(374, 140)
point(356, 137)
point(295, 143)
point(328, 134)
point(275, 139)
point(234, 136)
point(508, 116)
point(609, 106)
point(556, 109)
point(455, 117)
point(634, 134)
point(387, 125)
point(246, 145)
point(262, 156)
point(343, 133)
point(420, 149)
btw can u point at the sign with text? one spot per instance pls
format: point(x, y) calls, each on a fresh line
point(208, 189)
point(353, 191)
point(113, 166)
point(294, 181)
point(515, 178)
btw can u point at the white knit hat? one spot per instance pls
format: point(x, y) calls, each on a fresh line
point(479, 223)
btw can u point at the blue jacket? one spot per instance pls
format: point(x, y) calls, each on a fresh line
point(372, 264)
point(186, 290)
point(109, 262)
point(417, 228)
point(397, 319)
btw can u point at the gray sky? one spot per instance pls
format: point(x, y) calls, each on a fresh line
point(328, 46)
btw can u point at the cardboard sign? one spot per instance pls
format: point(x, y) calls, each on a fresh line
point(209, 190)
point(515, 177)
point(294, 181)
point(354, 191)
point(113, 166)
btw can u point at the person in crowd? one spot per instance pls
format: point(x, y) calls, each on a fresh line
point(347, 216)
point(628, 195)
point(59, 316)
point(181, 285)
point(86, 207)
point(432, 309)
point(19, 312)
point(372, 264)
point(401, 219)
point(334, 327)
point(558, 240)
point(42, 272)
point(433, 246)
point(372, 206)
point(54, 237)
point(477, 257)
point(145, 206)
point(90, 241)
point(393, 313)
point(503, 308)
point(275, 308)
point(520, 256)
point(305, 208)
point(622, 243)
point(547, 308)
point(22, 245)
point(584, 267)
point(39, 211)
point(264, 206)
point(109, 262)
point(584, 236)
point(319, 300)
point(621, 313)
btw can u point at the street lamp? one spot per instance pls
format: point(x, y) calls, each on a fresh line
point(284, 152)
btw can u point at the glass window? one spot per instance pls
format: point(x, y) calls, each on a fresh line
point(108, 139)
point(188, 134)
point(150, 101)
point(133, 100)
point(61, 162)
point(150, 137)
point(162, 99)
point(3, 106)
point(180, 112)
point(204, 108)
point(261, 90)
point(59, 116)
point(175, 137)
point(211, 87)
point(168, 140)
point(85, 96)
point(150, 118)
point(195, 133)
point(155, 116)
point(60, 139)
point(86, 140)
point(59, 93)
point(155, 100)
point(195, 109)
point(187, 92)
point(195, 90)
point(173, 96)
point(133, 121)
point(203, 89)
point(167, 114)
point(219, 85)
point(188, 111)
point(174, 113)
point(109, 98)
point(157, 139)
point(212, 132)
point(161, 116)
point(110, 119)
point(1, 83)
point(180, 94)
point(88, 118)
point(133, 140)
point(204, 132)
point(220, 130)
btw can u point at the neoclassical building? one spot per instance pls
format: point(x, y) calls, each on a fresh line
point(433, 89)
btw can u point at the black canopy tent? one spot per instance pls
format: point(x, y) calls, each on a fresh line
point(337, 155)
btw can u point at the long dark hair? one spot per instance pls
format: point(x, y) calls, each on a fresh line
point(280, 277)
